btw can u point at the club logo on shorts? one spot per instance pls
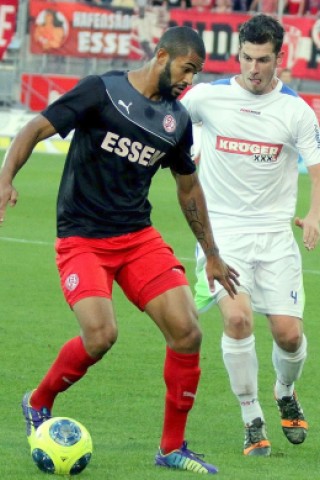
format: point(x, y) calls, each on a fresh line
point(177, 270)
point(72, 282)
point(169, 124)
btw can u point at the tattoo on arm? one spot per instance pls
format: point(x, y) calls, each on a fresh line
point(197, 226)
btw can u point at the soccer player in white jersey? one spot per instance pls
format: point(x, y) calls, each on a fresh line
point(253, 128)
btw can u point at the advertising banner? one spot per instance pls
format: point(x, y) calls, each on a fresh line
point(8, 16)
point(79, 30)
point(82, 30)
point(313, 100)
point(38, 91)
point(220, 34)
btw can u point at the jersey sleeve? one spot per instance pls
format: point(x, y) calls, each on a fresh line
point(180, 157)
point(308, 138)
point(68, 110)
point(190, 102)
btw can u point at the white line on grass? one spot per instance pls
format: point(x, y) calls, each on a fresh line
point(312, 272)
point(23, 240)
point(39, 242)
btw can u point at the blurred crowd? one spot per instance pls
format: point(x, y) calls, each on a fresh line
point(285, 7)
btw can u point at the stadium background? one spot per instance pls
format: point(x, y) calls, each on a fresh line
point(100, 37)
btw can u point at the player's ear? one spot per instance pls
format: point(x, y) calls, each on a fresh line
point(162, 56)
point(280, 58)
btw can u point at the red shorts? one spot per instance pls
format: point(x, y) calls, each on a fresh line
point(141, 263)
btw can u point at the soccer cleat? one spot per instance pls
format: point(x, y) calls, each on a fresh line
point(255, 440)
point(34, 418)
point(293, 423)
point(184, 459)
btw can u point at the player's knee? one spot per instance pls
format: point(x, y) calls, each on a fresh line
point(194, 339)
point(238, 325)
point(290, 341)
point(99, 342)
point(187, 339)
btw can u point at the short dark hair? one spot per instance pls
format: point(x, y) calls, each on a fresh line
point(178, 41)
point(261, 29)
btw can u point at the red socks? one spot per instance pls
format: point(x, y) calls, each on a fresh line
point(71, 364)
point(181, 375)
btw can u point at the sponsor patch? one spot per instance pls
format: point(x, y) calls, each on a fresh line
point(248, 147)
point(248, 110)
point(134, 151)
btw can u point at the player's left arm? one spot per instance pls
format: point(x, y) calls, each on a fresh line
point(311, 222)
point(193, 205)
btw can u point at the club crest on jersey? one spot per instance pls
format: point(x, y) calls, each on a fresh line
point(169, 123)
point(260, 151)
point(72, 282)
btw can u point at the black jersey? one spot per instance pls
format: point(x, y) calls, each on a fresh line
point(120, 140)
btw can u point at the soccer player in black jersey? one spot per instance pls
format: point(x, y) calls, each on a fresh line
point(126, 126)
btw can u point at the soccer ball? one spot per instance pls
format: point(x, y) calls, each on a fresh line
point(62, 446)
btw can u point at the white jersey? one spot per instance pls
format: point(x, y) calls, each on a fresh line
point(249, 153)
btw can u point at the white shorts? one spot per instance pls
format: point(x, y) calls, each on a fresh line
point(270, 271)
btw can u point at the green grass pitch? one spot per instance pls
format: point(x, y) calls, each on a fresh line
point(120, 400)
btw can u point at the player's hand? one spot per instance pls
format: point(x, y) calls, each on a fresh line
point(227, 276)
point(311, 231)
point(8, 195)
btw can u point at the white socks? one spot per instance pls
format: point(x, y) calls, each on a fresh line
point(288, 367)
point(241, 362)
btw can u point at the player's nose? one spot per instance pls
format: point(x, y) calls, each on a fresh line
point(254, 66)
point(188, 78)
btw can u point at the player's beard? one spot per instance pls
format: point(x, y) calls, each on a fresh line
point(164, 84)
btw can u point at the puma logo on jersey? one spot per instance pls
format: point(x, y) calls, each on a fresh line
point(134, 151)
point(260, 150)
point(122, 104)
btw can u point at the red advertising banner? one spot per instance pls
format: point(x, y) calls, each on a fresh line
point(38, 91)
point(8, 16)
point(82, 30)
point(79, 30)
point(220, 34)
point(314, 101)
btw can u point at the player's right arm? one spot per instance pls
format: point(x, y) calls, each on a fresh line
point(37, 129)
